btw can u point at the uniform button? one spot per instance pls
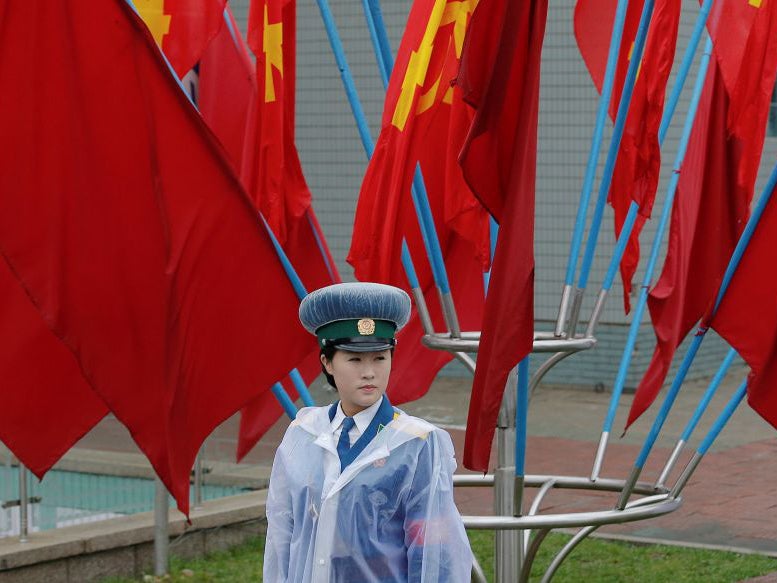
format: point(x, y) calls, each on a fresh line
point(322, 562)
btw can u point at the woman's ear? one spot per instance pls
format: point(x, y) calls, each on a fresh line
point(327, 364)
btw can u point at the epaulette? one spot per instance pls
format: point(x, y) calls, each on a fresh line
point(412, 425)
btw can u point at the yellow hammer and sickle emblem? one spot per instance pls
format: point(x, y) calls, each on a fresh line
point(153, 14)
point(755, 3)
point(272, 46)
point(415, 76)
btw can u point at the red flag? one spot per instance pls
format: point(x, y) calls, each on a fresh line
point(128, 230)
point(747, 316)
point(639, 159)
point(693, 267)
point(500, 76)
point(462, 223)
point(418, 86)
point(272, 173)
point(227, 89)
point(744, 36)
point(424, 122)
point(182, 28)
point(709, 206)
point(47, 403)
point(593, 22)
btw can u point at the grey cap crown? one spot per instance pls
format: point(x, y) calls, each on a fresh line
point(345, 301)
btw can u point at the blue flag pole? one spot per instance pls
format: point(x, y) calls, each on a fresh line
point(696, 417)
point(708, 440)
point(593, 157)
point(382, 49)
point(277, 389)
point(521, 420)
point(379, 42)
point(639, 310)
point(609, 165)
point(364, 133)
point(493, 228)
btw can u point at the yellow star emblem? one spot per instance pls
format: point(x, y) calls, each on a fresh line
point(153, 14)
point(272, 46)
point(443, 13)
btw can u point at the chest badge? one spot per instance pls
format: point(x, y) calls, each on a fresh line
point(366, 326)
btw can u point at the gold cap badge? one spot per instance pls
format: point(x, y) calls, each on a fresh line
point(366, 326)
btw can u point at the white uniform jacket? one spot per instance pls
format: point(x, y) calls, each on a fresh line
point(388, 517)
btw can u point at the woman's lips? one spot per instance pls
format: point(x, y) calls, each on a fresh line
point(368, 388)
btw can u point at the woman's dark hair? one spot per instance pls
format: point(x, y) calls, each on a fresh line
point(329, 353)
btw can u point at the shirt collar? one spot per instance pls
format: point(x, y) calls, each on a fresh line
point(362, 418)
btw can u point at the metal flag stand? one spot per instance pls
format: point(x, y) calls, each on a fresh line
point(515, 548)
point(515, 551)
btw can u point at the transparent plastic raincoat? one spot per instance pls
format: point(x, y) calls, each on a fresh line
point(388, 517)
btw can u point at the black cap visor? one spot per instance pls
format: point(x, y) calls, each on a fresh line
point(362, 344)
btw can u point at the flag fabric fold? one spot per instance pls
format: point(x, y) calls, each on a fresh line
point(593, 22)
point(47, 404)
point(747, 315)
point(635, 177)
point(710, 205)
point(226, 83)
point(744, 35)
point(500, 75)
point(127, 228)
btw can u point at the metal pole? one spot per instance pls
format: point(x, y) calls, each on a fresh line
point(712, 434)
point(509, 549)
point(593, 158)
point(23, 505)
point(700, 408)
point(161, 530)
point(302, 388)
point(285, 400)
point(197, 502)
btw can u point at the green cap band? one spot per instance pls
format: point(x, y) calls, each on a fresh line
point(362, 327)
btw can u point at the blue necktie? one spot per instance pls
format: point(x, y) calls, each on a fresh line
point(344, 443)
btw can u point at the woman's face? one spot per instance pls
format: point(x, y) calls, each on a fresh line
point(361, 377)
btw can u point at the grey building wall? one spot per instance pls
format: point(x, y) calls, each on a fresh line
point(334, 163)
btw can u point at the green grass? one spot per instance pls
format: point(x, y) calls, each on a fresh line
point(594, 560)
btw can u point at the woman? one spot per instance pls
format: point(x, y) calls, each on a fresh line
point(359, 491)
